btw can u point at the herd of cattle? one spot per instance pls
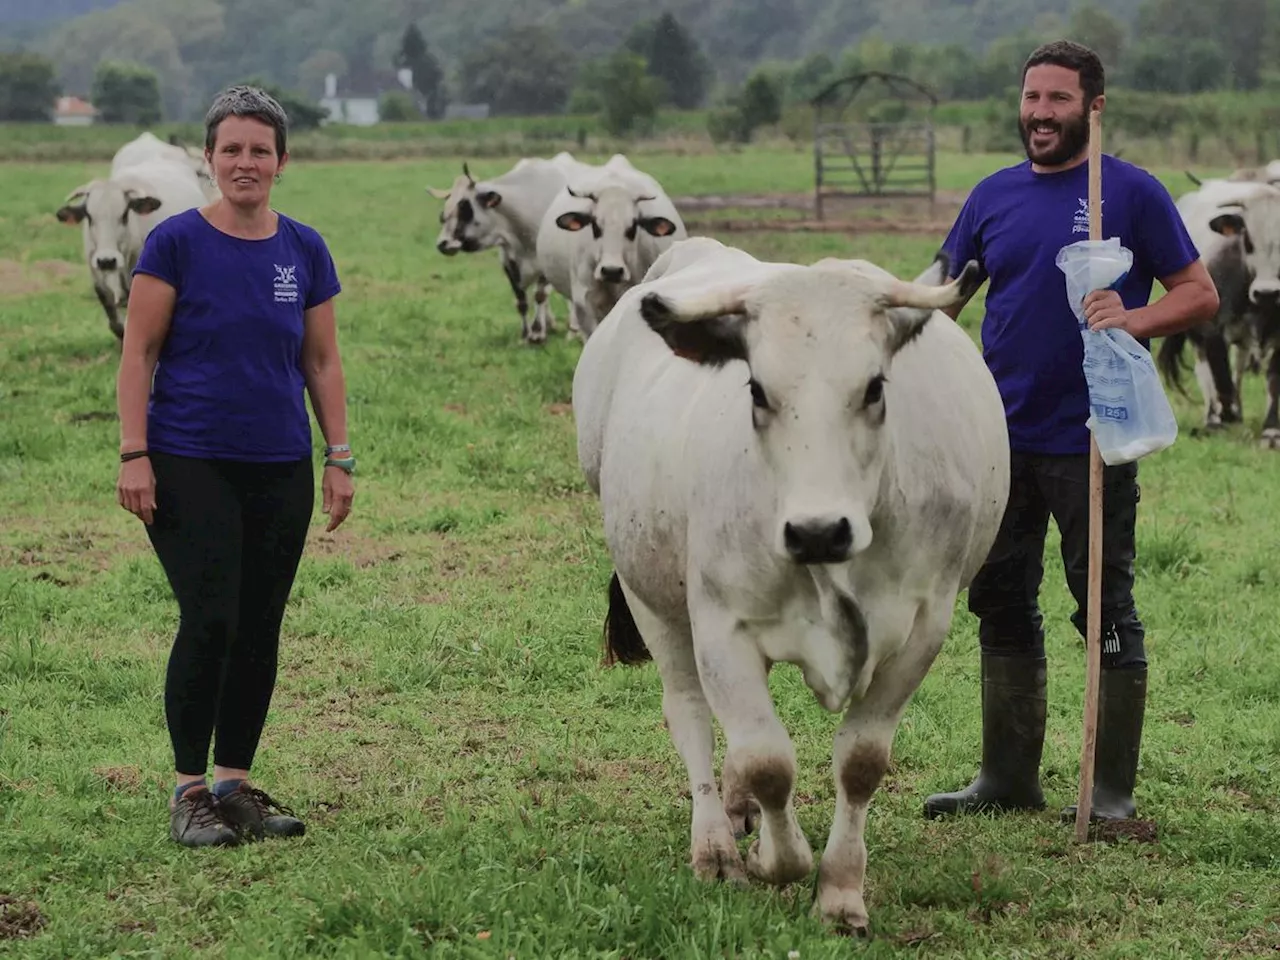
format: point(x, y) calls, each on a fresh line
point(591, 232)
point(822, 504)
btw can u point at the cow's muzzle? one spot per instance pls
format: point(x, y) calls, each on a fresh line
point(612, 274)
point(819, 540)
point(1267, 295)
point(448, 247)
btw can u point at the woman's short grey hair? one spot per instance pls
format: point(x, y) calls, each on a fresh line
point(243, 101)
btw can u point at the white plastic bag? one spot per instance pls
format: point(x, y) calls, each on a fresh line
point(1129, 415)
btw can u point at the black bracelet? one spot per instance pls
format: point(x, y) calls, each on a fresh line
point(133, 455)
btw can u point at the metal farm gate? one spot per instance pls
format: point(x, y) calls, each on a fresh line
point(882, 148)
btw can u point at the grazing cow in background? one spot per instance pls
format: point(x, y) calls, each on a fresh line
point(116, 216)
point(598, 240)
point(505, 213)
point(794, 464)
point(1248, 317)
point(147, 147)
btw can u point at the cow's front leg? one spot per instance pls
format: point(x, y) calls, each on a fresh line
point(740, 807)
point(113, 315)
point(762, 758)
point(860, 757)
point(713, 852)
point(543, 321)
point(511, 268)
point(1271, 422)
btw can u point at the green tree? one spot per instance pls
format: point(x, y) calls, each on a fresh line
point(629, 94)
point(304, 112)
point(1098, 30)
point(522, 70)
point(428, 76)
point(126, 93)
point(397, 106)
point(674, 57)
point(28, 86)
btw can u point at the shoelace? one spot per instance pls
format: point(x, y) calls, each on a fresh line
point(204, 809)
point(265, 802)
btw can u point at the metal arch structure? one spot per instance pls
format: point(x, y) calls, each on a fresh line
point(872, 159)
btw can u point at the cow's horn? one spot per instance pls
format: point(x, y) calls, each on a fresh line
point(643, 199)
point(920, 296)
point(581, 196)
point(466, 171)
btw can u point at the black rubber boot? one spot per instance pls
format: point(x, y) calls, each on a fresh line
point(1013, 716)
point(1122, 701)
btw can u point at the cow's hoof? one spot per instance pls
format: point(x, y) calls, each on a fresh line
point(744, 817)
point(1270, 439)
point(844, 911)
point(768, 864)
point(536, 338)
point(713, 863)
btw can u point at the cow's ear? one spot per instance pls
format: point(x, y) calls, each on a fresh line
point(489, 199)
point(142, 204)
point(658, 226)
point(573, 221)
point(711, 337)
point(72, 210)
point(1232, 225)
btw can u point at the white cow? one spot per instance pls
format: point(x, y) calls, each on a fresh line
point(1246, 319)
point(600, 236)
point(147, 147)
point(795, 464)
point(116, 215)
point(505, 212)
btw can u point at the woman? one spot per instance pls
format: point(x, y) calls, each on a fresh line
point(232, 311)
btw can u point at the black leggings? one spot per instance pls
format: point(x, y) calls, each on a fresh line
point(1004, 594)
point(229, 535)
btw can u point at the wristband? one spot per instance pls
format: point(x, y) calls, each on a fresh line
point(133, 455)
point(347, 464)
point(337, 448)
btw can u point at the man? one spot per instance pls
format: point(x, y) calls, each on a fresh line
point(1013, 224)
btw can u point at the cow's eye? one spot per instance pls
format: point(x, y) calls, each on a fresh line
point(875, 391)
point(757, 395)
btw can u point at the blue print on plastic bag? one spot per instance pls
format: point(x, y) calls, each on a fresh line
point(1130, 415)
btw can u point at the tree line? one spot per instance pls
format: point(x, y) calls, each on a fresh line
point(1170, 46)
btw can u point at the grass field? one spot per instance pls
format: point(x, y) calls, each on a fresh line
point(475, 784)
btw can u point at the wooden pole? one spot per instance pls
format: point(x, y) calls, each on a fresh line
point(1093, 620)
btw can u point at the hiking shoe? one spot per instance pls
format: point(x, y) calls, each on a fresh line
point(197, 821)
point(254, 812)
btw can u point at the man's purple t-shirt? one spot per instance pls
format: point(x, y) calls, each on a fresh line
point(1014, 223)
point(229, 383)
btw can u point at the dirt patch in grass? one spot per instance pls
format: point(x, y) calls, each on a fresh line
point(19, 279)
point(1113, 831)
point(123, 779)
point(19, 919)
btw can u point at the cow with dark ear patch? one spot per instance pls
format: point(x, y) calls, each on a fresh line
point(822, 509)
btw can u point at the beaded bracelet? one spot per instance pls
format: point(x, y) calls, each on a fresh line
point(337, 448)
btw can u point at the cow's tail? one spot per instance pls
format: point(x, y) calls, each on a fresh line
point(1169, 360)
point(622, 640)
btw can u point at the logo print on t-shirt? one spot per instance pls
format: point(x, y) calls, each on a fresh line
point(286, 284)
point(1081, 222)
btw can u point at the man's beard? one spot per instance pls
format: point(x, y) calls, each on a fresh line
point(1073, 137)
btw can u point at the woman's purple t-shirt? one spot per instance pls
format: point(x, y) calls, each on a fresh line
point(229, 383)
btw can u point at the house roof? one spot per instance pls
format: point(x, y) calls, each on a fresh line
point(74, 107)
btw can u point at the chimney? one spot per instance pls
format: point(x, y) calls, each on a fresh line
point(330, 85)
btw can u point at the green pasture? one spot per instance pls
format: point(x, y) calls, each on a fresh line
point(475, 784)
